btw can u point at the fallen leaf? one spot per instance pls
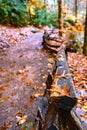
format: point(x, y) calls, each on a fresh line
point(67, 92)
point(18, 113)
point(1, 95)
point(9, 80)
point(56, 89)
point(31, 99)
point(45, 76)
point(28, 82)
point(4, 99)
point(3, 70)
point(5, 126)
point(38, 95)
point(49, 65)
point(84, 107)
point(4, 87)
point(43, 85)
point(35, 87)
point(12, 104)
point(22, 119)
point(13, 93)
point(25, 106)
point(36, 81)
point(20, 72)
point(10, 74)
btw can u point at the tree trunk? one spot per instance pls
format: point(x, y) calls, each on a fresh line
point(60, 16)
point(85, 35)
point(76, 8)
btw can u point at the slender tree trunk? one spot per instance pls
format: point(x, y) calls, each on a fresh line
point(76, 9)
point(85, 35)
point(60, 16)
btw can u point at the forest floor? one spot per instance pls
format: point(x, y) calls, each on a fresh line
point(24, 66)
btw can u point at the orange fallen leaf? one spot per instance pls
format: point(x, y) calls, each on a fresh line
point(31, 99)
point(13, 93)
point(12, 65)
point(84, 108)
point(12, 104)
point(5, 126)
point(62, 91)
point(35, 87)
point(67, 92)
point(2, 69)
point(18, 113)
point(20, 72)
point(28, 82)
point(25, 106)
point(22, 119)
point(36, 81)
point(3, 88)
point(1, 95)
point(49, 65)
point(10, 74)
point(38, 95)
point(4, 99)
point(9, 80)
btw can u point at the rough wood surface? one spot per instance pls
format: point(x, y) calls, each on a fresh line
point(56, 109)
point(60, 116)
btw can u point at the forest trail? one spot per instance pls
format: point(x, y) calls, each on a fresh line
point(24, 67)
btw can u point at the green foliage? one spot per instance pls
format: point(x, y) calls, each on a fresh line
point(42, 17)
point(76, 43)
point(27, 126)
point(13, 12)
point(70, 21)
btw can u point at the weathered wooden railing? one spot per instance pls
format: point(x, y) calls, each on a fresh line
point(56, 110)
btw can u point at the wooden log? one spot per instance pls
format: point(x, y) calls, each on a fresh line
point(61, 114)
point(52, 42)
point(57, 109)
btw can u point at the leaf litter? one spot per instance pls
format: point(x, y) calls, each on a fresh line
point(25, 63)
point(78, 67)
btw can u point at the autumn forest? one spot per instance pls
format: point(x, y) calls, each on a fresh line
point(43, 65)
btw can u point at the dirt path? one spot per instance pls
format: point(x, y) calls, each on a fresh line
point(23, 71)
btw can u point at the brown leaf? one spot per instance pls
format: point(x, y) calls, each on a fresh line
point(18, 113)
point(57, 89)
point(4, 99)
point(13, 93)
point(23, 119)
point(37, 95)
point(2, 69)
point(9, 80)
point(67, 92)
point(20, 72)
point(5, 126)
point(12, 104)
point(25, 106)
point(1, 95)
point(10, 74)
point(35, 87)
point(84, 108)
point(28, 82)
point(4, 87)
point(31, 99)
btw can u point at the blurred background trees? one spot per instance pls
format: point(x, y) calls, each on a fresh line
point(85, 35)
point(67, 15)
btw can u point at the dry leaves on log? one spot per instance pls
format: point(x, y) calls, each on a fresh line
point(57, 90)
